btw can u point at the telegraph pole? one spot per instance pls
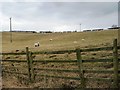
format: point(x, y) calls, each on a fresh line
point(80, 27)
point(119, 23)
point(10, 30)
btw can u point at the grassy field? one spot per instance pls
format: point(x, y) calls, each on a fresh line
point(60, 40)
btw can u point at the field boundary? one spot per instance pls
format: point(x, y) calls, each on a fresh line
point(81, 71)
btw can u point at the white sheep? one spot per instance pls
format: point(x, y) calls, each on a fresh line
point(37, 44)
point(83, 39)
point(75, 42)
point(51, 39)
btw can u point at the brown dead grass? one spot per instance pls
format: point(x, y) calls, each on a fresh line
point(60, 41)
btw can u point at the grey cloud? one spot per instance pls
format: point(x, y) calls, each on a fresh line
point(62, 8)
point(60, 12)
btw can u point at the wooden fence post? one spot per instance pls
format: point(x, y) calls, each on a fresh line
point(79, 62)
point(115, 62)
point(31, 67)
point(28, 62)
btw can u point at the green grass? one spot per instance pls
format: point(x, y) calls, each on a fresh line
point(60, 40)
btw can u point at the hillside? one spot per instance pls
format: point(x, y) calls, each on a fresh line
point(59, 40)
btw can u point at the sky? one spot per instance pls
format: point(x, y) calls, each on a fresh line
point(58, 15)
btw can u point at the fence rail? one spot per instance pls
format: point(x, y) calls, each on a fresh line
point(15, 72)
point(63, 51)
point(51, 76)
point(81, 71)
point(56, 70)
point(100, 79)
point(13, 53)
point(97, 60)
point(55, 61)
point(13, 61)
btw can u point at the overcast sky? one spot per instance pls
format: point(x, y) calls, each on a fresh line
point(58, 16)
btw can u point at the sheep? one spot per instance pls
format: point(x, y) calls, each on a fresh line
point(37, 44)
point(83, 39)
point(51, 39)
point(75, 42)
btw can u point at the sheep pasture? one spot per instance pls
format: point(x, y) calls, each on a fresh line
point(52, 42)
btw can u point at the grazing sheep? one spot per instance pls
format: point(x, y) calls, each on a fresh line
point(51, 39)
point(75, 42)
point(37, 44)
point(83, 39)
